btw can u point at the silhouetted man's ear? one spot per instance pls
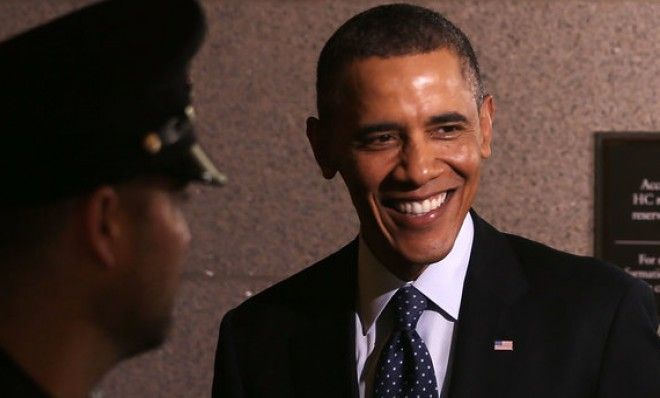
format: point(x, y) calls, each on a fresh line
point(102, 223)
point(319, 139)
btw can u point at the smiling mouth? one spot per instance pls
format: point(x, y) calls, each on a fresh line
point(418, 207)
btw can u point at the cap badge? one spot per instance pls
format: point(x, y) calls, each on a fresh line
point(152, 143)
point(190, 112)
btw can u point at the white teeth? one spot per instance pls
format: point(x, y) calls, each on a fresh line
point(421, 207)
point(426, 206)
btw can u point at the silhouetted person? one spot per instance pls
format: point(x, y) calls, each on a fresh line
point(97, 149)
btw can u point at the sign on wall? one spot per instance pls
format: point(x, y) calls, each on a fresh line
point(628, 204)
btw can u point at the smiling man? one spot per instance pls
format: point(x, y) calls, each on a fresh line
point(408, 141)
point(430, 300)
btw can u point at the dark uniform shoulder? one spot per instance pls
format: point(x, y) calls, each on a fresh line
point(15, 383)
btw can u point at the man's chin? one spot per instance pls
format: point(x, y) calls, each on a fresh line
point(422, 259)
point(407, 263)
point(151, 336)
point(423, 251)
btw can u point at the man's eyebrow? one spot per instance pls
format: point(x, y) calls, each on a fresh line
point(450, 117)
point(377, 128)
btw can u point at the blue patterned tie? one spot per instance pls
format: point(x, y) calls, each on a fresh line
point(405, 368)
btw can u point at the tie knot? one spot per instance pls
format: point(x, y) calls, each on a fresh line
point(409, 303)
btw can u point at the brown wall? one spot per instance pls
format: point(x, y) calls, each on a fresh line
point(559, 71)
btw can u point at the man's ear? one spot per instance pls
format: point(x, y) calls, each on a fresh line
point(319, 139)
point(102, 224)
point(486, 117)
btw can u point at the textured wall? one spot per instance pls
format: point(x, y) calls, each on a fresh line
point(559, 71)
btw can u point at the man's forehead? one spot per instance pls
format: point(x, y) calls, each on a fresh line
point(395, 79)
point(420, 69)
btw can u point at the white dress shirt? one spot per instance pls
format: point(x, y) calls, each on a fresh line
point(441, 282)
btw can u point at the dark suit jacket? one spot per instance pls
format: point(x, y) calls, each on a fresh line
point(580, 328)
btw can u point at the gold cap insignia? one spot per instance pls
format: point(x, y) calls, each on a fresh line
point(152, 143)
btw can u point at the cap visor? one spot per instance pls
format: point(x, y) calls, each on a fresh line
point(208, 173)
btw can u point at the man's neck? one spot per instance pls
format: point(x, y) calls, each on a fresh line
point(50, 339)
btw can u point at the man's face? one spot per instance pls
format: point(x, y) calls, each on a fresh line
point(408, 140)
point(159, 240)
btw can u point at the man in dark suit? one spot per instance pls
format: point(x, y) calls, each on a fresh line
point(98, 148)
point(430, 300)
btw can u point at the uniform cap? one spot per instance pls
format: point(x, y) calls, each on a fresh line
point(99, 96)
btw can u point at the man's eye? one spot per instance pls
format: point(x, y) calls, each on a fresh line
point(379, 140)
point(382, 138)
point(446, 131)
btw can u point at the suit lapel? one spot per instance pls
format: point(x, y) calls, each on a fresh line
point(494, 282)
point(323, 351)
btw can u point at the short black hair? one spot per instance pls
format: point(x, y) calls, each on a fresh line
point(388, 31)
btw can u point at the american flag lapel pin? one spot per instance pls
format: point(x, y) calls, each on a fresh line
point(503, 345)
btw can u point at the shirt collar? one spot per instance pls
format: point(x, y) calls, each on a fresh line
point(441, 282)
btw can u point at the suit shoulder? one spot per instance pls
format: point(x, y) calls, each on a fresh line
point(547, 265)
point(308, 288)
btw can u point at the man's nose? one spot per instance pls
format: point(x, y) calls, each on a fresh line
point(418, 164)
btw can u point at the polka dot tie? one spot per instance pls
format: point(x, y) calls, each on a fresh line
point(405, 368)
